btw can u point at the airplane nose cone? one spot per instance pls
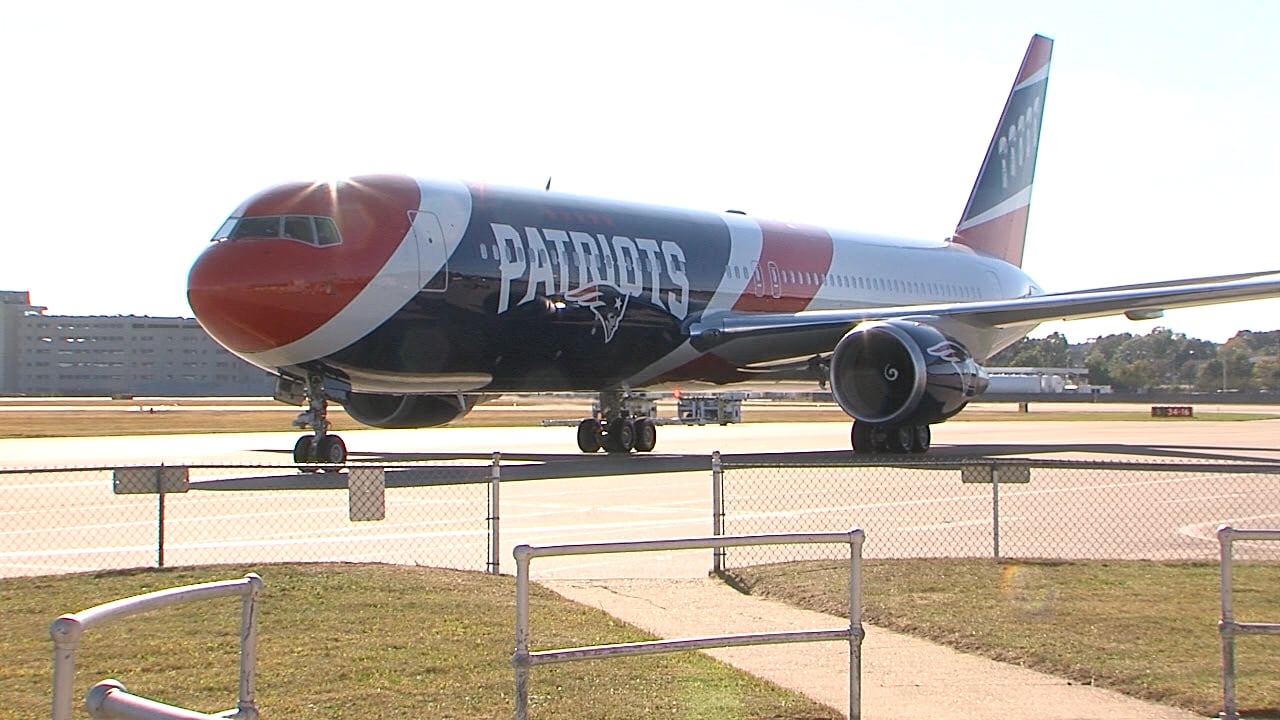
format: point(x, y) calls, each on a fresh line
point(252, 297)
point(266, 287)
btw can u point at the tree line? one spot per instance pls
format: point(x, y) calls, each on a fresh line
point(1160, 360)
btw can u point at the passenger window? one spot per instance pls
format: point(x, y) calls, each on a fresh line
point(257, 227)
point(326, 232)
point(298, 227)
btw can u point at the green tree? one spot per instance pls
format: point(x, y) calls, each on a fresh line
point(1209, 376)
point(1098, 357)
point(1053, 350)
point(1266, 373)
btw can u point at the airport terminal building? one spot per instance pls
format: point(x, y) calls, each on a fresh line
point(95, 355)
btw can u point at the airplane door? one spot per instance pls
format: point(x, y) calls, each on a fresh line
point(775, 280)
point(433, 256)
point(993, 288)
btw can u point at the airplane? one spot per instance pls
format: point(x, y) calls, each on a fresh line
point(408, 301)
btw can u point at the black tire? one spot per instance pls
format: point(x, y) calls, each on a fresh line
point(923, 439)
point(863, 437)
point(303, 449)
point(646, 435)
point(589, 435)
point(902, 439)
point(621, 436)
point(332, 450)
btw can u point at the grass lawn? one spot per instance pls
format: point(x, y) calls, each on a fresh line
point(362, 642)
point(1145, 629)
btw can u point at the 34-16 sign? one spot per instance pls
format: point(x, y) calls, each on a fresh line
point(1171, 411)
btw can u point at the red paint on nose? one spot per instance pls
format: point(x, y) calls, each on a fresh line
point(261, 294)
point(257, 294)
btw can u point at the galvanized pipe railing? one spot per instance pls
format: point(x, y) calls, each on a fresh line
point(108, 700)
point(67, 630)
point(1228, 628)
point(524, 660)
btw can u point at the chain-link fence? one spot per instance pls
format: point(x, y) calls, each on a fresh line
point(999, 508)
point(73, 520)
point(445, 514)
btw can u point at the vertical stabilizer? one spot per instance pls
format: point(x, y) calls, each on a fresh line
point(995, 219)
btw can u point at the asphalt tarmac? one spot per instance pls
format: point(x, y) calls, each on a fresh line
point(264, 510)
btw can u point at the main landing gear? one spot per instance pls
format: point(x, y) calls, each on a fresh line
point(621, 424)
point(898, 439)
point(319, 446)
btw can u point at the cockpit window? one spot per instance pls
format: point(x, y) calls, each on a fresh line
point(327, 232)
point(224, 232)
point(309, 229)
point(256, 227)
point(297, 227)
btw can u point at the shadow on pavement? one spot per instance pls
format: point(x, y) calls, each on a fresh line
point(474, 467)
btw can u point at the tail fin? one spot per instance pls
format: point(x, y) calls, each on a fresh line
point(995, 219)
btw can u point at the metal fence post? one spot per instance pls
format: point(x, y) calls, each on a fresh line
point(995, 510)
point(246, 706)
point(159, 523)
point(521, 657)
point(1224, 626)
point(495, 479)
point(66, 632)
point(717, 510)
point(856, 631)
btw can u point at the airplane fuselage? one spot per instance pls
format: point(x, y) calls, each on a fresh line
point(434, 287)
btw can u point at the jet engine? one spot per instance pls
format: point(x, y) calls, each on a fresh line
point(900, 372)
point(408, 411)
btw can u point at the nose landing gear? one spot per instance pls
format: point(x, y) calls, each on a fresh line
point(320, 446)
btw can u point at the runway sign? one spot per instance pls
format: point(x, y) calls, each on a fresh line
point(987, 473)
point(149, 480)
point(366, 494)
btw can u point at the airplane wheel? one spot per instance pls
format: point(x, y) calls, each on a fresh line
point(902, 439)
point(589, 435)
point(302, 449)
point(646, 435)
point(923, 439)
point(863, 438)
point(621, 436)
point(332, 450)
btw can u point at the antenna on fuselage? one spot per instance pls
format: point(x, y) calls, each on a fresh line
point(548, 183)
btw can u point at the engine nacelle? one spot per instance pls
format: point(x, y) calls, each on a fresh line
point(899, 372)
point(407, 411)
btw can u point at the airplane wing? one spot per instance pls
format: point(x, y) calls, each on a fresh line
point(1139, 302)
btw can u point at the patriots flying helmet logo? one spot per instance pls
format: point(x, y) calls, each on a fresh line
point(948, 351)
point(607, 302)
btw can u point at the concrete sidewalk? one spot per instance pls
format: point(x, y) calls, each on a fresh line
point(902, 677)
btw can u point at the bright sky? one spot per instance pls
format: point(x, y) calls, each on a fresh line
point(132, 129)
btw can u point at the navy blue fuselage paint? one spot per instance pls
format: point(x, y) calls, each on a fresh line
point(551, 292)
